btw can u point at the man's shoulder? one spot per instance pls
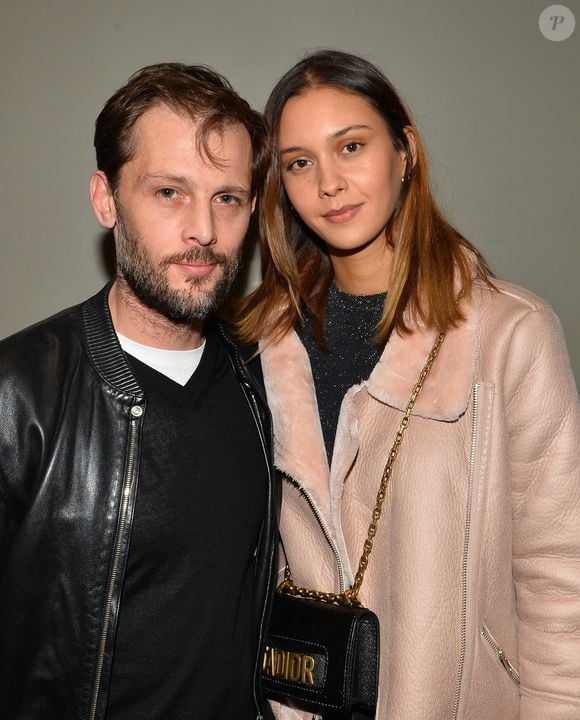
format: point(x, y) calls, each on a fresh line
point(41, 332)
point(36, 344)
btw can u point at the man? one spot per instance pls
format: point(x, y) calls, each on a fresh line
point(137, 500)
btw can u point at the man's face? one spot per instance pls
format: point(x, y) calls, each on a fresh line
point(181, 220)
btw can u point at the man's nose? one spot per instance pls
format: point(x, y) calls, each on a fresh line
point(200, 224)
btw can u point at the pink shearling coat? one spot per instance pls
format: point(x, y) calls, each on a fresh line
point(475, 570)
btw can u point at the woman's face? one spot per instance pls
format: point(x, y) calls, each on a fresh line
point(339, 167)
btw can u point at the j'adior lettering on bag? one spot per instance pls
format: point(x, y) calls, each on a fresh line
point(295, 664)
point(289, 665)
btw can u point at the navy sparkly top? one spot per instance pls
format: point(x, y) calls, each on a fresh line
point(349, 331)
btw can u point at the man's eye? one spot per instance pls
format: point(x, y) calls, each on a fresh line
point(167, 193)
point(229, 200)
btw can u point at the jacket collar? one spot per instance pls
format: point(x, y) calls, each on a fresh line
point(299, 445)
point(446, 392)
point(110, 360)
point(103, 345)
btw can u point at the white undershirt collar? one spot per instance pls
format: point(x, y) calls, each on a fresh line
point(178, 365)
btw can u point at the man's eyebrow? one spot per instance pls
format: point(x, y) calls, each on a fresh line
point(239, 189)
point(165, 177)
point(333, 136)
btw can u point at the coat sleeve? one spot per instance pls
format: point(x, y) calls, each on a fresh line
point(20, 449)
point(8, 525)
point(544, 449)
point(8, 515)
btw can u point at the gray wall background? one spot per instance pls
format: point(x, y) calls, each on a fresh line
point(498, 105)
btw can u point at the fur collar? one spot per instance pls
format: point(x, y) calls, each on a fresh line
point(446, 392)
point(298, 441)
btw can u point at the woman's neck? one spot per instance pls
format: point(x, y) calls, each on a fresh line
point(366, 272)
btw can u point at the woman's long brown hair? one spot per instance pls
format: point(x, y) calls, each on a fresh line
point(432, 262)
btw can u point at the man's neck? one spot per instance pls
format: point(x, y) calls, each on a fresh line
point(141, 324)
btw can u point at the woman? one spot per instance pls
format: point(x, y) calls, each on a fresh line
point(474, 572)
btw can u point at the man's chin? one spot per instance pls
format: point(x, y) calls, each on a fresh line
point(192, 305)
point(181, 300)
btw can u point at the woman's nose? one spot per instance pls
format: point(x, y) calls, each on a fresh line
point(330, 180)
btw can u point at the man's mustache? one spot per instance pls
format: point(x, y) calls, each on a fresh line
point(195, 254)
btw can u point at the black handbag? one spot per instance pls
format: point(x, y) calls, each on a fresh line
point(324, 657)
point(322, 649)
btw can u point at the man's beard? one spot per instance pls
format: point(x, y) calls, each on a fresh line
point(150, 285)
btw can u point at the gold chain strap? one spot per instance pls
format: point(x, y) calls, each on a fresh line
point(350, 595)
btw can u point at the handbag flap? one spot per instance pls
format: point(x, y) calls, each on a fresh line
point(322, 654)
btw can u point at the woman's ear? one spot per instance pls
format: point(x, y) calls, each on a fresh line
point(410, 135)
point(102, 200)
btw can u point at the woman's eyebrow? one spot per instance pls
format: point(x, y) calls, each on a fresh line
point(333, 136)
point(346, 130)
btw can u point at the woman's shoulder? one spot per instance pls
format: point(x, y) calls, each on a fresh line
point(505, 301)
point(519, 332)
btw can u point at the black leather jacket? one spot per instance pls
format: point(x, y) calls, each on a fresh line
point(71, 413)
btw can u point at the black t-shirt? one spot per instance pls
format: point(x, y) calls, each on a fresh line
point(187, 635)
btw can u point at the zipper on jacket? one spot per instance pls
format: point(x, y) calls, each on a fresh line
point(257, 419)
point(463, 641)
point(325, 532)
point(501, 656)
point(255, 412)
point(136, 414)
point(251, 399)
point(250, 394)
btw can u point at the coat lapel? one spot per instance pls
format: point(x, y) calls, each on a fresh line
point(446, 393)
point(298, 442)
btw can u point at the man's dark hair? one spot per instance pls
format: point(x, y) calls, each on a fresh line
point(194, 91)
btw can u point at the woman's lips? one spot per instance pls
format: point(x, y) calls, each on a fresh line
point(342, 214)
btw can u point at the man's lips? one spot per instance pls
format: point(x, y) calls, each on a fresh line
point(199, 268)
point(342, 214)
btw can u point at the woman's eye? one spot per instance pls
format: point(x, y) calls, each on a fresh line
point(298, 164)
point(351, 147)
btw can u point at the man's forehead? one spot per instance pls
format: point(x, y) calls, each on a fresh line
point(164, 136)
point(162, 122)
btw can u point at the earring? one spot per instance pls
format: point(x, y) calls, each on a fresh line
point(403, 180)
